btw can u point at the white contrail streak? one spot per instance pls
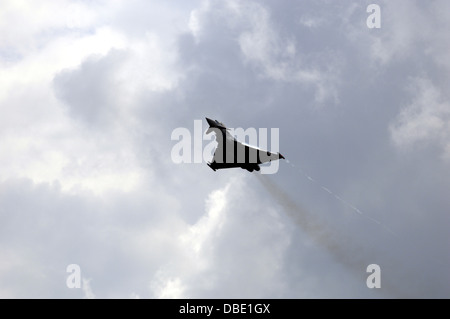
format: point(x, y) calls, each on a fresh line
point(345, 250)
point(352, 207)
point(342, 248)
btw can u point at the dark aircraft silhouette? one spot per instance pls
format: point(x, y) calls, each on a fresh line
point(232, 153)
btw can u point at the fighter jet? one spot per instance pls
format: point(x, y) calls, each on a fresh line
point(232, 153)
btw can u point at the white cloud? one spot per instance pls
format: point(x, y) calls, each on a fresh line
point(267, 47)
point(409, 30)
point(35, 129)
point(165, 287)
point(222, 249)
point(278, 57)
point(209, 225)
point(87, 290)
point(197, 244)
point(426, 120)
point(49, 146)
point(22, 23)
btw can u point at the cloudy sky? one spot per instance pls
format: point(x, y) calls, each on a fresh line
point(91, 92)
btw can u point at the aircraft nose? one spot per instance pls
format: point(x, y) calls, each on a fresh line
point(210, 122)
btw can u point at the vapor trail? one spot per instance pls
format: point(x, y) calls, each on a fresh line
point(355, 209)
point(342, 249)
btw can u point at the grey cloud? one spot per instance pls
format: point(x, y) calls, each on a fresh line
point(346, 146)
point(112, 242)
point(91, 91)
point(255, 247)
